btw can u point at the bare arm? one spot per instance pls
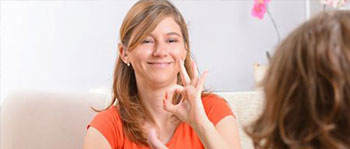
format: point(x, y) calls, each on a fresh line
point(223, 135)
point(95, 140)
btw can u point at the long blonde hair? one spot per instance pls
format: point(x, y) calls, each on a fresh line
point(141, 19)
point(307, 88)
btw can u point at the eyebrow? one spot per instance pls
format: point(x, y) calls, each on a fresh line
point(170, 33)
point(174, 33)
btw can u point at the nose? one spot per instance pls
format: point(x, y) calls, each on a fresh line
point(160, 50)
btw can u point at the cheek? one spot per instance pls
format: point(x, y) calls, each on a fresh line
point(179, 53)
point(140, 53)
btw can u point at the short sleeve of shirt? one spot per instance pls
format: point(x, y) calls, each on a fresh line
point(108, 123)
point(216, 108)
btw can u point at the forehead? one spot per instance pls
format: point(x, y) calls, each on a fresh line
point(167, 25)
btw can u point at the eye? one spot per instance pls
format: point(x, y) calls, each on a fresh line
point(172, 40)
point(147, 41)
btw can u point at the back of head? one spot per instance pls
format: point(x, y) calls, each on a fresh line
point(307, 88)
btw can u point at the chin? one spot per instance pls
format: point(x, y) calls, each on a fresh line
point(161, 79)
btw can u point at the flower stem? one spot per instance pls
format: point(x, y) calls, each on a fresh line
point(274, 25)
point(276, 29)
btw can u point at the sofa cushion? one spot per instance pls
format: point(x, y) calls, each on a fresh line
point(44, 120)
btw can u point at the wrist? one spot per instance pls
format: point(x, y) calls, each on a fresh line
point(203, 126)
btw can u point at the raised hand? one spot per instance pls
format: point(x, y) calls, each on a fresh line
point(190, 109)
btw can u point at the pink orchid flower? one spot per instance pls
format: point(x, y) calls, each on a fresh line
point(260, 8)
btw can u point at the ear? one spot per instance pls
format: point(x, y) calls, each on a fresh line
point(187, 50)
point(123, 53)
point(186, 47)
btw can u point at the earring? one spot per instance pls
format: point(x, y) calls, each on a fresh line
point(128, 64)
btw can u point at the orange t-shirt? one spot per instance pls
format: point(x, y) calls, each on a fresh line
point(109, 124)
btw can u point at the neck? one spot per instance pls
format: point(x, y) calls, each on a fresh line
point(151, 97)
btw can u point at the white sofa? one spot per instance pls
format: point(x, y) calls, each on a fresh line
point(47, 120)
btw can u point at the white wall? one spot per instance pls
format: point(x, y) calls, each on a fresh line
point(71, 45)
point(314, 7)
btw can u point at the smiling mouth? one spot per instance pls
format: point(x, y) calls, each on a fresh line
point(159, 64)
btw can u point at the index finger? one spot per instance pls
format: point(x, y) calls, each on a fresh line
point(183, 73)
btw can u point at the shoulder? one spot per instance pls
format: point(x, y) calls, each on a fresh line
point(216, 108)
point(109, 124)
point(111, 114)
point(109, 117)
point(212, 100)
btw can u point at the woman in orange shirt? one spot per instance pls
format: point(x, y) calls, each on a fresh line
point(158, 88)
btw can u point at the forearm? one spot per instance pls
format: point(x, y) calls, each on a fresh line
point(209, 136)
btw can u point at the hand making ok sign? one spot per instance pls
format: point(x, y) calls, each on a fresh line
point(190, 109)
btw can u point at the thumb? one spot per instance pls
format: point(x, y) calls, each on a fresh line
point(153, 140)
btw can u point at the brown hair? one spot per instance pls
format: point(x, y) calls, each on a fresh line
point(307, 88)
point(141, 19)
